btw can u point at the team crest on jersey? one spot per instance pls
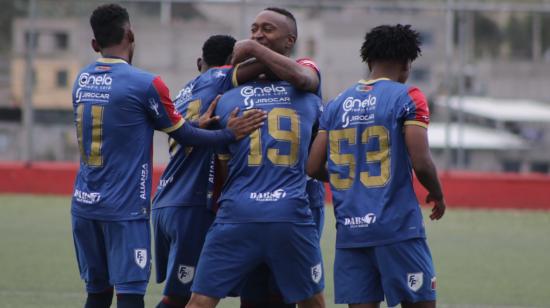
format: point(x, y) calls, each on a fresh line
point(363, 88)
point(186, 273)
point(317, 273)
point(415, 280)
point(140, 256)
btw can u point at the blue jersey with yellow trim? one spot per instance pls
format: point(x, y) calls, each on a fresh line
point(369, 166)
point(117, 107)
point(188, 178)
point(266, 181)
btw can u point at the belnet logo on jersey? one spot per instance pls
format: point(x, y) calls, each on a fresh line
point(269, 196)
point(360, 222)
point(87, 80)
point(86, 197)
point(364, 108)
point(268, 95)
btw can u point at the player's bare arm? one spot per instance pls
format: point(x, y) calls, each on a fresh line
point(416, 138)
point(316, 164)
point(285, 68)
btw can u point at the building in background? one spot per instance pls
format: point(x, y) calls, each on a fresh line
point(169, 38)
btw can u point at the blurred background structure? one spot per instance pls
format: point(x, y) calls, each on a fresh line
point(485, 66)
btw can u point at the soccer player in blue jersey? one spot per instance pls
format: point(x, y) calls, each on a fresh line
point(117, 107)
point(375, 134)
point(180, 214)
point(264, 216)
point(273, 34)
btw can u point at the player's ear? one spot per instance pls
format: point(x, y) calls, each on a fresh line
point(199, 64)
point(130, 35)
point(95, 45)
point(290, 41)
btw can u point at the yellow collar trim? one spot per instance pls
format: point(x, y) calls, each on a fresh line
point(111, 60)
point(371, 81)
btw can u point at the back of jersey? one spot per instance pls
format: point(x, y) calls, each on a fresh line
point(369, 166)
point(116, 109)
point(188, 178)
point(267, 181)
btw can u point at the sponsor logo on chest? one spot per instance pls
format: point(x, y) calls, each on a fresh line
point(267, 95)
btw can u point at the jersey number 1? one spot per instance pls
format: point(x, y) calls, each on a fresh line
point(94, 159)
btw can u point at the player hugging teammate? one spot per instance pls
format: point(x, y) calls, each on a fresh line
point(263, 244)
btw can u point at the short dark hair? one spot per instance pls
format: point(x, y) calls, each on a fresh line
point(108, 22)
point(397, 43)
point(217, 49)
point(288, 14)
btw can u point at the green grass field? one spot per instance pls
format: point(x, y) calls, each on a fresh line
point(483, 258)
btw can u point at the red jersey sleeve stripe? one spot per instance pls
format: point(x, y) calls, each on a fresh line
point(167, 104)
point(309, 63)
point(422, 113)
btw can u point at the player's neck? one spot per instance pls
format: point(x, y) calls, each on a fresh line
point(116, 52)
point(384, 74)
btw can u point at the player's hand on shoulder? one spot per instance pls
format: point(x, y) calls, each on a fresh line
point(439, 206)
point(244, 125)
point(206, 119)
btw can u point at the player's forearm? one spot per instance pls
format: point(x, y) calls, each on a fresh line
point(287, 69)
point(249, 70)
point(320, 174)
point(426, 174)
point(188, 135)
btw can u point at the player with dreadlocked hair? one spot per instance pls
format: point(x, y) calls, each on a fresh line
point(376, 134)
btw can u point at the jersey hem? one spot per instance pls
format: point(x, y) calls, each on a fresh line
point(180, 204)
point(93, 217)
point(378, 243)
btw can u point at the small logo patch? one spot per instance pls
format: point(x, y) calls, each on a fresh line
point(433, 284)
point(140, 256)
point(317, 273)
point(415, 280)
point(186, 273)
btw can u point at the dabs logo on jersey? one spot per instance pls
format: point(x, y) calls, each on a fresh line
point(268, 95)
point(269, 196)
point(357, 111)
point(86, 197)
point(360, 222)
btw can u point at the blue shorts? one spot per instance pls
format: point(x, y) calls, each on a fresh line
point(113, 253)
point(260, 285)
point(402, 271)
point(232, 251)
point(179, 234)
